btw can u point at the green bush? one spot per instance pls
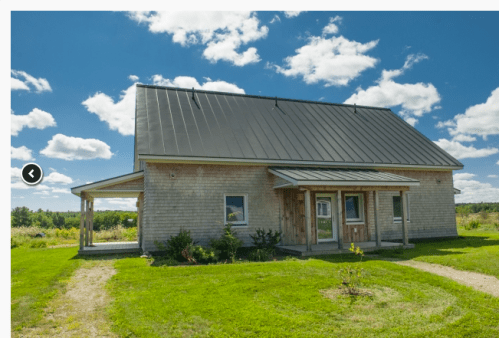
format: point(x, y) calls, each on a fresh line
point(473, 224)
point(204, 255)
point(266, 240)
point(227, 244)
point(175, 245)
point(261, 255)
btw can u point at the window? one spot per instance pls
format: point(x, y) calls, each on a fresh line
point(397, 208)
point(323, 207)
point(236, 209)
point(354, 207)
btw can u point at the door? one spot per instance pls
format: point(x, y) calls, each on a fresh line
point(326, 217)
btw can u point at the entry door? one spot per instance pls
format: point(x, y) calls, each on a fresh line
point(325, 217)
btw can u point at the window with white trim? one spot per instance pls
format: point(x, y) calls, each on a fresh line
point(236, 209)
point(354, 208)
point(397, 208)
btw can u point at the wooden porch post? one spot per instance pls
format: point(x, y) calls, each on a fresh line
point(91, 241)
point(403, 198)
point(82, 220)
point(376, 219)
point(308, 220)
point(340, 220)
point(87, 222)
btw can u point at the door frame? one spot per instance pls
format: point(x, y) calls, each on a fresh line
point(334, 207)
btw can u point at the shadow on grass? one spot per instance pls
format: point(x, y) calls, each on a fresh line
point(106, 257)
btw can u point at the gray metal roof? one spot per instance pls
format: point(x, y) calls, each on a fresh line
point(174, 123)
point(323, 176)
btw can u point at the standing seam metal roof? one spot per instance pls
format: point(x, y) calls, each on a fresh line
point(169, 122)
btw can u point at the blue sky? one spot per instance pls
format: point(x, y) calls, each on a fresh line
point(72, 77)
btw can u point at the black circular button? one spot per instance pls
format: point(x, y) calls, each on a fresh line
point(32, 173)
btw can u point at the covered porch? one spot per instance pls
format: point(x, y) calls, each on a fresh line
point(126, 186)
point(323, 210)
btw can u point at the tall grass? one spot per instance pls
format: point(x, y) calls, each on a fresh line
point(482, 220)
point(25, 236)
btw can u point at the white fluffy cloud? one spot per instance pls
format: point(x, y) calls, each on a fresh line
point(276, 18)
point(292, 14)
point(116, 204)
point(190, 82)
point(22, 153)
point(473, 191)
point(61, 191)
point(223, 33)
point(460, 151)
point(334, 61)
point(56, 177)
point(37, 118)
point(40, 84)
point(74, 148)
point(463, 176)
point(492, 176)
point(119, 116)
point(463, 138)
point(133, 78)
point(414, 99)
point(331, 27)
point(481, 119)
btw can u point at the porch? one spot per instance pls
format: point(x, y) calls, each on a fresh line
point(331, 248)
point(323, 210)
point(126, 186)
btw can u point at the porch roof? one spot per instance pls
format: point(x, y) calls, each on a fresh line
point(340, 177)
point(114, 187)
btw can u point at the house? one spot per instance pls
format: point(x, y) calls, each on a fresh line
point(321, 173)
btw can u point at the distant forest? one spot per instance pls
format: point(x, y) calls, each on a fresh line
point(473, 208)
point(103, 220)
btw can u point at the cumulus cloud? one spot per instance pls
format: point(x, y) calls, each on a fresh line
point(223, 33)
point(60, 190)
point(190, 82)
point(473, 191)
point(492, 176)
point(460, 151)
point(292, 14)
point(119, 115)
point(56, 177)
point(116, 204)
point(463, 176)
point(22, 153)
point(37, 118)
point(414, 99)
point(481, 119)
point(133, 78)
point(463, 138)
point(40, 84)
point(335, 61)
point(331, 27)
point(74, 148)
point(16, 84)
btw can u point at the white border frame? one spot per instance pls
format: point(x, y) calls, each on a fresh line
point(246, 218)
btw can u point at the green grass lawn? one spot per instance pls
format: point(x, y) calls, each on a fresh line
point(37, 275)
point(285, 299)
point(475, 250)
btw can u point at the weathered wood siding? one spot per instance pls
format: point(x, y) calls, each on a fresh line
point(194, 200)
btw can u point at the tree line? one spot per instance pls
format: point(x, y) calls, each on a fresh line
point(103, 220)
point(473, 208)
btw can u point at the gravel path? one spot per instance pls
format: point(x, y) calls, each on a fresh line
point(478, 281)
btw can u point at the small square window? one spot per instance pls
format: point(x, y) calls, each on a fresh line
point(236, 209)
point(354, 207)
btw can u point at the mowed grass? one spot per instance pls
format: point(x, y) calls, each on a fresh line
point(289, 299)
point(37, 276)
point(475, 250)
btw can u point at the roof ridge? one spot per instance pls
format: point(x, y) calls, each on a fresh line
point(261, 97)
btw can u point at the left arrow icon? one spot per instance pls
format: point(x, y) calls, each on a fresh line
point(32, 173)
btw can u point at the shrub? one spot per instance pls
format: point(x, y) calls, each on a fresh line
point(204, 255)
point(351, 279)
point(176, 244)
point(267, 241)
point(227, 244)
point(473, 224)
point(261, 255)
point(187, 254)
